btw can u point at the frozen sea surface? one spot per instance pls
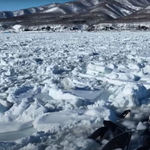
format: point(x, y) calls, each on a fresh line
point(57, 88)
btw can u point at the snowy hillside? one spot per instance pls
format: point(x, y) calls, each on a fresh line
point(57, 88)
point(80, 12)
point(111, 8)
point(28, 11)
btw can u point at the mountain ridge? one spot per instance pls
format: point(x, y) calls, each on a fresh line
point(85, 12)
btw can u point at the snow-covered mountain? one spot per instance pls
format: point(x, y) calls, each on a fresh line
point(112, 8)
point(89, 12)
point(70, 7)
point(32, 10)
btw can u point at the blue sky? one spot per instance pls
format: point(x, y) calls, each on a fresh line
point(11, 5)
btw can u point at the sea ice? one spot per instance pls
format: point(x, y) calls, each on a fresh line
point(67, 84)
point(140, 126)
point(129, 95)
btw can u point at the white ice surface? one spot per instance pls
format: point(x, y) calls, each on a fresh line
point(14, 126)
point(17, 27)
point(140, 126)
point(71, 118)
point(129, 95)
point(63, 85)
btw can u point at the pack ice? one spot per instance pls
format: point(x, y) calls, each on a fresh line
point(57, 88)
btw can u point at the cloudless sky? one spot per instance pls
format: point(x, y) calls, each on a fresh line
point(11, 5)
